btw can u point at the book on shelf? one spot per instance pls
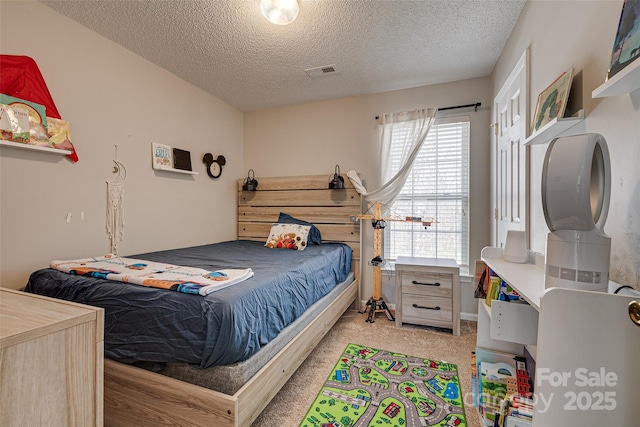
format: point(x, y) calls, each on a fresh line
point(520, 413)
point(530, 363)
point(525, 390)
point(507, 293)
point(500, 415)
point(162, 156)
point(37, 118)
point(497, 379)
point(485, 355)
point(520, 407)
point(14, 124)
point(521, 401)
point(517, 422)
point(500, 386)
point(59, 132)
point(490, 286)
point(481, 280)
point(494, 289)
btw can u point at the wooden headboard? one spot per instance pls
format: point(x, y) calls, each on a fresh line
point(303, 197)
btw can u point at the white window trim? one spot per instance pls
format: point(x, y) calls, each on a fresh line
point(464, 225)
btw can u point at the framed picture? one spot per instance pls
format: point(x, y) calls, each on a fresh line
point(481, 280)
point(626, 46)
point(181, 159)
point(162, 156)
point(552, 101)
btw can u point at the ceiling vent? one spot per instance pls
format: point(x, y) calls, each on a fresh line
point(321, 71)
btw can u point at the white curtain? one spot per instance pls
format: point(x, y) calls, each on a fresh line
point(412, 128)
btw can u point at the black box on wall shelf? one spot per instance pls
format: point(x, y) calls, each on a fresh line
point(181, 159)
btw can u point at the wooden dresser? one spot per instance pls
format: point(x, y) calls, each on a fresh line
point(51, 362)
point(428, 292)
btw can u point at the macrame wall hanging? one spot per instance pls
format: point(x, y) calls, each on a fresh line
point(115, 205)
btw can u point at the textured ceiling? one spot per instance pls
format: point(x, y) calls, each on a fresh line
point(228, 49)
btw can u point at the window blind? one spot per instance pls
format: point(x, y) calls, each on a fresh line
point(437, 187)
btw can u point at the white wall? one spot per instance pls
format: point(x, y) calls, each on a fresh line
point(580, 34)
point(312, 138)
point(111, 97)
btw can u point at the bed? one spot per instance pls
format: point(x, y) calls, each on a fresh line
point(206, 381)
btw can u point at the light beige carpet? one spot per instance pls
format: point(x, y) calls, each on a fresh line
point(290, 405)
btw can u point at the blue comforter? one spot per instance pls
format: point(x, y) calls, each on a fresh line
point(227, 326)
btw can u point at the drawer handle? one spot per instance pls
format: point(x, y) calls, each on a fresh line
point(415, 282)
point(426, 308)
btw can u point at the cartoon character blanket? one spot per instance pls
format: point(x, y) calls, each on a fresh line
point(188, 280)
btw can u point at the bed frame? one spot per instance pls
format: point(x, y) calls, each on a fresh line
point(134, 396)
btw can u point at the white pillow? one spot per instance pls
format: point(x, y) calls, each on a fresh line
point(288, 236)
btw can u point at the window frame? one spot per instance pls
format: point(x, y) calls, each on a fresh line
point(463, 197)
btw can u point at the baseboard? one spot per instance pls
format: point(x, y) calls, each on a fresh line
point(469, 316)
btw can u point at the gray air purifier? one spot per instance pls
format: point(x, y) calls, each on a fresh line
point(576, 186)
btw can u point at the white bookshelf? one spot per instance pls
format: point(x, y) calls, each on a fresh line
point(173, 170)
point(527, 278)
point(554, 128)
point(34, 148)
point(624, 82)
point(569, 332)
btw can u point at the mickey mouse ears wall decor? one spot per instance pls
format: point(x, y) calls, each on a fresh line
point(214, 166)
point(250, 182)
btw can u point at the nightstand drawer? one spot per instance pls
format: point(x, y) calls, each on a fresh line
point(428, 284)
point(419, 308)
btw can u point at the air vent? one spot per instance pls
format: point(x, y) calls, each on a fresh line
point(321, 71)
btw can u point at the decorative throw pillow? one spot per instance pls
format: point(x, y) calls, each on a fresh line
point(314, 234)
point(288, 236)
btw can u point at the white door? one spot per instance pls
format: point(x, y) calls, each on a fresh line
point(511, 173)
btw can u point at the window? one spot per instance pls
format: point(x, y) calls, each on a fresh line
point(437, 187)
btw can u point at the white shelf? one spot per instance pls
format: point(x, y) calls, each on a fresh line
point(569, 333)
point(625, 81)
point(527, 278)
point(514, 322)
point(554, 128)
point(485, 308)
point(176, 171)
point(484, 338)
point(35, 148)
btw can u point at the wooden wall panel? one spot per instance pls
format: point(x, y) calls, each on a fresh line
point(306, 198)
point(310, 198)
point(320, 215)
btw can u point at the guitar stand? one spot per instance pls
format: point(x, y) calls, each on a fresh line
point(376, 306)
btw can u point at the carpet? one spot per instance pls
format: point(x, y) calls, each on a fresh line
point(371, 387)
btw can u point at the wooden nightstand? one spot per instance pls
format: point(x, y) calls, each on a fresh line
point(428, 292)
point(51, 361)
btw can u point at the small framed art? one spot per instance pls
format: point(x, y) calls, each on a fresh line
point(162, 156)
point(181, 159)
point(626, 47)
point(552, 101)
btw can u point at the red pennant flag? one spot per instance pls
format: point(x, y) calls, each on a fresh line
point(20, 77)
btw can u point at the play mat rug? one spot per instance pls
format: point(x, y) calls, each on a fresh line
point(370, 387)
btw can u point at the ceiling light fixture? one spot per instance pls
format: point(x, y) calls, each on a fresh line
point(280, 12)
